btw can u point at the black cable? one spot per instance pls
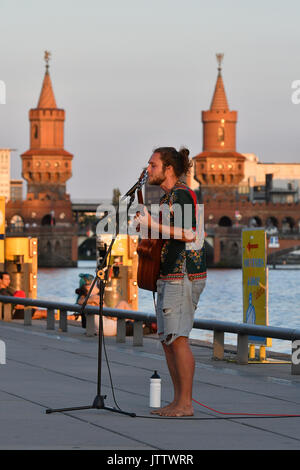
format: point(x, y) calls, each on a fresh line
point(185, 418)
point(105, 353)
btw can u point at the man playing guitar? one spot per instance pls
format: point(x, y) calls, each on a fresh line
point(182, 272)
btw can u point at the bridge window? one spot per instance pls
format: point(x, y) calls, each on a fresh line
point(16, 223)
point(35, 131)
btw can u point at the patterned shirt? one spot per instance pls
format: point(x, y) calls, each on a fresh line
point(176, 259)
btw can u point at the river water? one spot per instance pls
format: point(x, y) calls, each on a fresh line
point(221, 299)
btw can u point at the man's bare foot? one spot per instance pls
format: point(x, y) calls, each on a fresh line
point(162, 409)
point(177, 410)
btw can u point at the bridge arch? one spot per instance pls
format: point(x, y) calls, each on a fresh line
point(255, 221)
point(272, 222)
point(225, 221)
point(287, 224)
point(48, 219)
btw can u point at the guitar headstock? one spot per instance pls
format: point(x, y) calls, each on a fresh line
point(143, 178)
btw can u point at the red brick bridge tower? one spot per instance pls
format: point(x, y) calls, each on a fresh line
point(219, 168)
point(46, 212)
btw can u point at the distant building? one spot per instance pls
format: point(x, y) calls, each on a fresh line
point(5, 173)
point(273, 182)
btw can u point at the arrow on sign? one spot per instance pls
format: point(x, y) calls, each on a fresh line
point(250, 247)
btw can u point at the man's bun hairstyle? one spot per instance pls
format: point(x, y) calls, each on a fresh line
point(178, 160)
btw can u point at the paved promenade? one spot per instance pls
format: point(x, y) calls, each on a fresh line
point(50, 369)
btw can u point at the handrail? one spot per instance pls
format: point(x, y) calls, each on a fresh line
point(89, 309)
point(202, 324)
point(243, 330)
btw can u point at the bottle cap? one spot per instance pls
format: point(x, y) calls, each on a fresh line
point(155, 375)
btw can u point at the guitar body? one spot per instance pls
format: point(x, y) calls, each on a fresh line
point(149, 251)
point(149, 263)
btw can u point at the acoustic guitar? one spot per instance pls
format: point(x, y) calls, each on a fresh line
point(149, 251)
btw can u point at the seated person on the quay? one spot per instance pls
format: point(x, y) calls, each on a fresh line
point(18, 310)
point(4, 284)
point(109, 323)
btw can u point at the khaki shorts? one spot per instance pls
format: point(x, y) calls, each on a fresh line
point(177, 301)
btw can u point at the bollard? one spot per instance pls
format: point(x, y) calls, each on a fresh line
point(252, 352)
point(121, 330)
point(27, 316)
point(218, 345)
point(242, 349)
point(90, 324)
point(50, 319)
point(262, 353)
point(295, 369)
point(2, 352)
point(63, 323)
point(137, 333)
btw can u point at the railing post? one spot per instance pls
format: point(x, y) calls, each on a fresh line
point(218, 345)
point(137, 333)
point(27, 316)
point(50, 319)
point(7, 312)
point(90, 324)
point(121, 330)
point(1, 311)
point(63, 323)
point(242, 349)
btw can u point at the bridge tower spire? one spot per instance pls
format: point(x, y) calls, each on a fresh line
point(46, 166)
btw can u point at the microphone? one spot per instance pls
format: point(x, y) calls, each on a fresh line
point(131, 190)
point(141, 181)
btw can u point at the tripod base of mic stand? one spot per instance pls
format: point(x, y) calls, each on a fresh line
point(98, 404)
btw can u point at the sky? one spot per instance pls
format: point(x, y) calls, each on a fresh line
point(133, 75)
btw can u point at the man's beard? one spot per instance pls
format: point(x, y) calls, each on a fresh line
point(157, 180)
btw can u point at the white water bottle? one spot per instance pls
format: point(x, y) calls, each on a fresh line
point(155, 390)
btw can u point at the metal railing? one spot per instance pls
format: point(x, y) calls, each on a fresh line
point(219, 328)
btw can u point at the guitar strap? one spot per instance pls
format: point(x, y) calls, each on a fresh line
point(194, 197)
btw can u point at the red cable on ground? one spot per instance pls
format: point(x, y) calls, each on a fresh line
point(243, 414)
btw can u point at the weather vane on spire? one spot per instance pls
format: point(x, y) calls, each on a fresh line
point(47, 57)
point(220, 60)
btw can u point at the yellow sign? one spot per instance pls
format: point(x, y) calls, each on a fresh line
point(255, 281)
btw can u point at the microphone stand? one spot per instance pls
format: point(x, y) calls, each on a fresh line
point(100, 278)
